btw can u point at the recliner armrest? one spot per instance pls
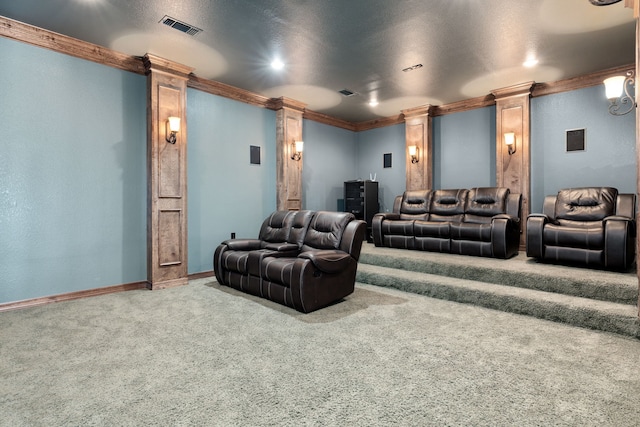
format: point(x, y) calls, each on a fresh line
point(617, 218)
point(243, 244)
point(545, 218)
point(328, 260)
point(387, 215)
point(507, 217)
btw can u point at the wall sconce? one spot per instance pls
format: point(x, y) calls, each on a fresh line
point(510, 142)
point(618, 92)
point(413, 152)
point(172, 127)
point(296, 150)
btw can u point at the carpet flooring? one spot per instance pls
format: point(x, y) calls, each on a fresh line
point(207, 355)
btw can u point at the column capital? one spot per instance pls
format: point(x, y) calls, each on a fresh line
point(422, 110)
point(155, 63)
point(522, 89)
point(284, 102)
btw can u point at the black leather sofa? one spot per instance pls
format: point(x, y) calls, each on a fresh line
point(483, 221)
point(302, 259)
point(590, 226)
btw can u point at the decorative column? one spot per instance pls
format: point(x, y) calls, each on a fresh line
point(288, 170)
point(166, 173)
point(418, 131)
point(513, 163)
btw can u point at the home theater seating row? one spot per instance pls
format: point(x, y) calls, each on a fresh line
point(302, 259)
point(481, 222)
point(592, 226)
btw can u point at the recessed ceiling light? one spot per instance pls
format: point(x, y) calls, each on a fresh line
point(373, 102)
point(531, 62)
point(277, 64)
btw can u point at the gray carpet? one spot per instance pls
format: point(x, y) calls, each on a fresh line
point(205, 355)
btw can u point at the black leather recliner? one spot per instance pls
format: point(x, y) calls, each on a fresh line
point(303, 259)
point(590, 226)
point(482, 221)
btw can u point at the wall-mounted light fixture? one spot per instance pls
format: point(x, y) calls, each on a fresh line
point(172, 127)
point(510, 142)
point(618, 90)
point(413, 152)
point(296, 150)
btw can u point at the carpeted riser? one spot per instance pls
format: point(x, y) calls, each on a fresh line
point(541, 309)
point(584, 287)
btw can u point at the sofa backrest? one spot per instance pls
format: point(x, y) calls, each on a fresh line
point(485, 202)
point(415, 204)
point(585, 204)
point(299, 226)
point(448, 205)
point(325, 230)
point(275, 228)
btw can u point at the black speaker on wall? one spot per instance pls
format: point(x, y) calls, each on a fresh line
point(575, 140)
point(254, 155)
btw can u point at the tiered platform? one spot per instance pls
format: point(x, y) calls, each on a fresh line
point(588, 298)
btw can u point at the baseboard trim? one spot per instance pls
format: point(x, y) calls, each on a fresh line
point(17, 305)
point(201, 275)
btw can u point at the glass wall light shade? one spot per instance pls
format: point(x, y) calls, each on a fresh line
point(296, 150)
point(620, 91)
point(510, 142)
point(173, 127)
point(413, 152)
point(614, 86)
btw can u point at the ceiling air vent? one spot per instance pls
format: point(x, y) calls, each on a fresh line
point(346, 92)
point(179, 25)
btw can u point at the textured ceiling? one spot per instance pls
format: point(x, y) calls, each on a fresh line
point(466, 47)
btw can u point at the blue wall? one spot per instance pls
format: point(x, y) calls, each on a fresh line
point(464, 152)
point(72, 175)
point(226, 193)
point(609, 158)
point(330, 158)
point(73, 171)
point(372, 145)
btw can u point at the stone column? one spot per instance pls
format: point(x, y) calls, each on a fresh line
point(166, 174)
point(418, 127)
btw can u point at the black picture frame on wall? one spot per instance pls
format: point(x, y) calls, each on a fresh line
point(386, 160)
point(254, 154)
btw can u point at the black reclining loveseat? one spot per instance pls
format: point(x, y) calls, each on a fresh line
point(302, 259)
point(592, 226)
point(482, 221)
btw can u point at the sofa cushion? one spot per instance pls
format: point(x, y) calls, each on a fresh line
point(235, 261)
point(415, 204)
point(448, 205)
point(438, 229)
point(299, 225)
point(576, 237)
point(483, 203)
point(398, 227)
point(276, 226)
point(471, 231)
point(325, 230)
point(585, 204)
point(277, 270)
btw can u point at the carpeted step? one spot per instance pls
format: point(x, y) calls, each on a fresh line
point(577, 311)
point(519, 271)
